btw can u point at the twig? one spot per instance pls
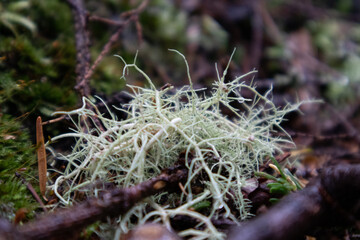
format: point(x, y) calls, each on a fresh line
point(137, 10)
point(270, 25)
point(105, 20)
point(83, 69)
point(131, 16)
point(316, 137)
point(104, 51)
point(32, 191)
point(138, 30)
point(66, 222)
point(54, 120)
point(82, 41)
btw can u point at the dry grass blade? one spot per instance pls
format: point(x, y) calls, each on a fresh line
point(41, 154)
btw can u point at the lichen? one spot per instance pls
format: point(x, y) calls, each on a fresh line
point(162, 124)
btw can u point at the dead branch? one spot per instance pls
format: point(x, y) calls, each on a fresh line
point(9, 231)
point(332, 198)
point(64, 223)
point(31, 190)
point(82, 42)
point(82, 39)
point(105, 20)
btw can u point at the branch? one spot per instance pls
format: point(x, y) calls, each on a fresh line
point(131, 15)
point(64, 223)
point(333, 198)
point(82, 42)
point(82, 39)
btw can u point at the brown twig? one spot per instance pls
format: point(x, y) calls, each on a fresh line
point(317, 137)
point(32, 191)
point(131, 16)
point(104, 51)
point(105, 20)
point(82, 41)
point(136, 11)
point(270, 25)
point(54, 120)
point(138, 30)
point(64, 223)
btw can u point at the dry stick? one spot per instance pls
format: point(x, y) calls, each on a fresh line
point(90, 72)
point(54, 120)
point(83, 69)
point(270, 25)
point(32, 191)
point(333, 196)
point(82, 42)
point(138, 30)
point(64, 223)
point(132, 16)
point(104, 51)
point(137, 10)
point(105, 20)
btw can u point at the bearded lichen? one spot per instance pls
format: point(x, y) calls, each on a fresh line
point(162, 124)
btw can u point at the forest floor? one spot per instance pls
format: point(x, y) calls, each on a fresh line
point(53, 54)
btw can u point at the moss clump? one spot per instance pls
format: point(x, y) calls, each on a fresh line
point(221, 153)
point(16, 154)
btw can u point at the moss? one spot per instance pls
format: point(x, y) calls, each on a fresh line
point(17, 154)
point(36, 67)
point(24, 56)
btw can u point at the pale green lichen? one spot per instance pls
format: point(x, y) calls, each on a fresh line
point(158, 128)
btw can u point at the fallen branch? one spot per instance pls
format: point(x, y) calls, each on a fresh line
point(31, 190)
point(65, 223)
point(332, 198)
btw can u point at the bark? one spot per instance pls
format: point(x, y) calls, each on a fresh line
point(82, 41)
point(332, 198)
point(65, 223)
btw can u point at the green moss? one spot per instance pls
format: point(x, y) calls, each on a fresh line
point(16, 155)
point(36, 68)
point(24, 56)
